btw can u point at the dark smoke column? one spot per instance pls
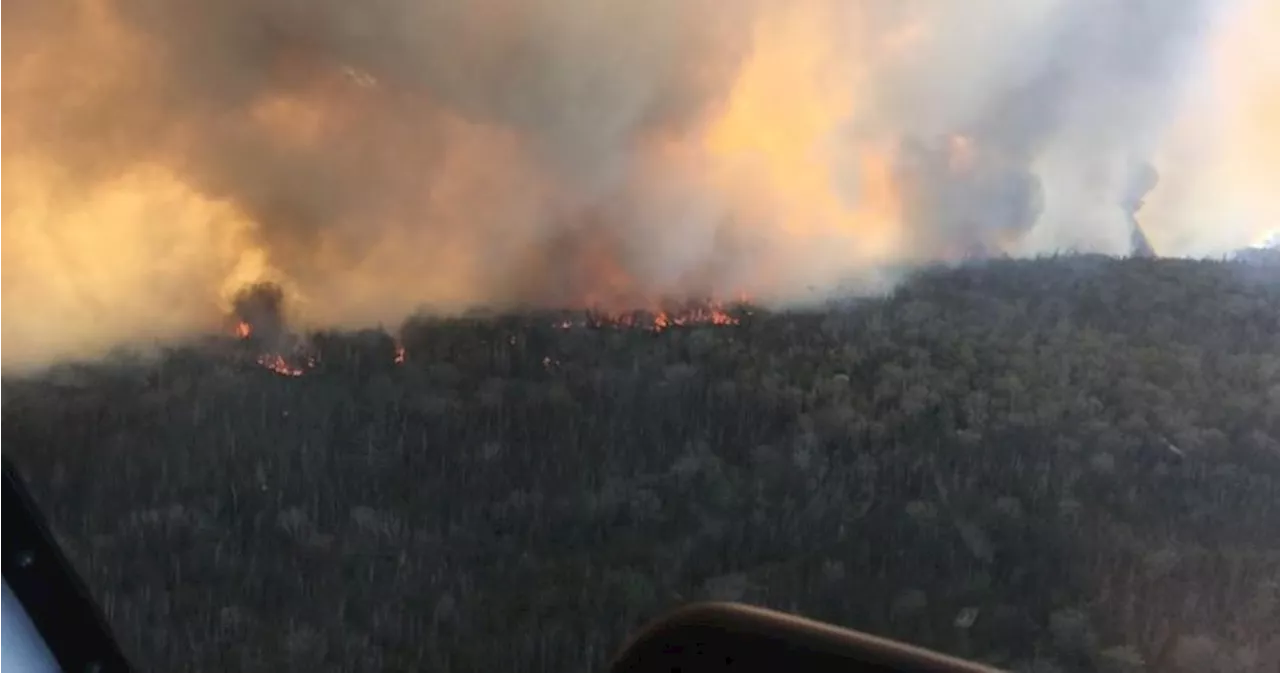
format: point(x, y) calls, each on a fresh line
point(1142, 180)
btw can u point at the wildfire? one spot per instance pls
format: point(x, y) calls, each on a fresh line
point(279, 365)
point(276, 362)
point(656, 320)
point(747, 144)
point(709, 314)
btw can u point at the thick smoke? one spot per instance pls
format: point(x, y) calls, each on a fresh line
point(1218, 166)
point(1144, 178)
point(376, 157)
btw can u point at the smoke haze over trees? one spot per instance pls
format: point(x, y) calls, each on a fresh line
point(374, 157)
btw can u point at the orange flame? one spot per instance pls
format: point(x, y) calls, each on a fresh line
point(279, 365)
point(273, 361)
point(712, 314)
point(708, 315)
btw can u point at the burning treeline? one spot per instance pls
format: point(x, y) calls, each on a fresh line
point(374, 158)
point(259, 323)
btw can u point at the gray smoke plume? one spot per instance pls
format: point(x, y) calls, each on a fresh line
point(378, 156)
point(1144, 179)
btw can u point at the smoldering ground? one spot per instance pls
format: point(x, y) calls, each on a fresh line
point(380, 156)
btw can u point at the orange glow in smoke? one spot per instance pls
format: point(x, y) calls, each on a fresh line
point(779, 140)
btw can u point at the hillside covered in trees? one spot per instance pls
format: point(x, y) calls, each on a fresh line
point(1067, 464)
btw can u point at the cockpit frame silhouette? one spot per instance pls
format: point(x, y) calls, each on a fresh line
point(717, 636)
point(56, 602)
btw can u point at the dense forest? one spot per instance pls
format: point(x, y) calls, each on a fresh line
point(1065, 464)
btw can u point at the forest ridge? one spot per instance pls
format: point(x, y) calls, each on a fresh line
point(1066, 464)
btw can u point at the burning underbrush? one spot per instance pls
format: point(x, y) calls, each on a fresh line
point(259, 325)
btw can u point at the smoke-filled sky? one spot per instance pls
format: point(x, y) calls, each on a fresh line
point(378, 156)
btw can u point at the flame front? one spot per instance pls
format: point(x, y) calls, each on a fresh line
point(711, 314)
point(279, 365)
